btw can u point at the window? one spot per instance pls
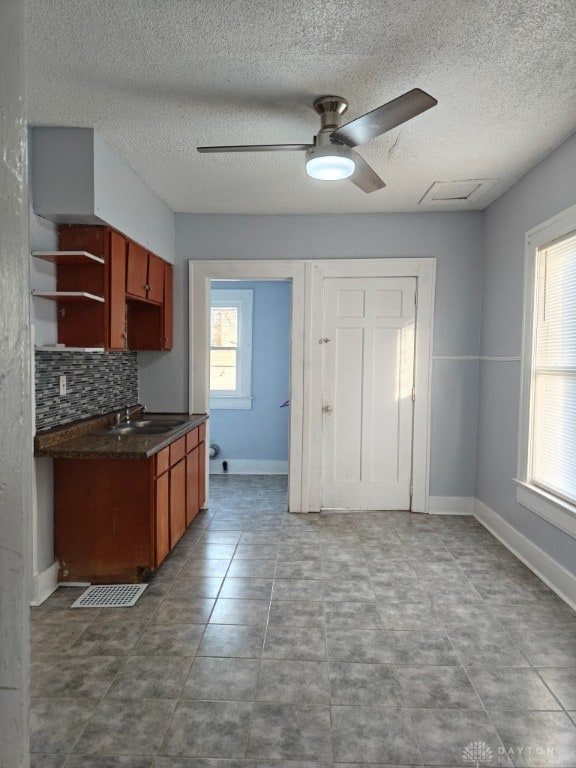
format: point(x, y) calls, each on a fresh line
point(548, 428)
point(230, 348)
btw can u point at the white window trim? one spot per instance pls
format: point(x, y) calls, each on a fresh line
point(555, 510)
point(242, 298)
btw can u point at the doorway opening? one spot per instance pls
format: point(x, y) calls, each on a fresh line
point(292, 273)
point(249, 369)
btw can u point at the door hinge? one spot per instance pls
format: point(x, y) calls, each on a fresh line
point(411, 490)
point(416, 298)
point(413, 394)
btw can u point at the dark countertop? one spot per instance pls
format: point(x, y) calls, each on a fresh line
point(84, 440)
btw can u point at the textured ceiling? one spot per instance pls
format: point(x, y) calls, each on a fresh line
point(156, 79)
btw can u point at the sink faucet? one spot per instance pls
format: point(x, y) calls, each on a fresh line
point(127, 414)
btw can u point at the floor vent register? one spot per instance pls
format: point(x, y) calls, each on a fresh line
point(110, 596)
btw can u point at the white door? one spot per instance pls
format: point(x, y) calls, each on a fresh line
point(368, 340)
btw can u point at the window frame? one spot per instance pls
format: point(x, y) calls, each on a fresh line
point(243, 299)
point(556, 510)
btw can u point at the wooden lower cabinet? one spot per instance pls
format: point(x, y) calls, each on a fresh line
point(102, 522)
point(162, 518)
point(192, 489)
point(202, 474)
point(116, 520)
point(177, 502)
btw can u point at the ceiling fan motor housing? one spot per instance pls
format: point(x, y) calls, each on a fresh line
point(330, 109)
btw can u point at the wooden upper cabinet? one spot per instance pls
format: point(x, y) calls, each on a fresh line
point(168, 308)
point(155, 279)
point(93, 324)
point(144, 274)
point(137, 311)
point(116, 293)
point(137, 271)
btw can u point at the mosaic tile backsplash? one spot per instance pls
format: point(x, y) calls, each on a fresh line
point(95, 382)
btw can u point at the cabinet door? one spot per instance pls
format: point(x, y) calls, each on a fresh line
point(192, 484)
point(162, 518)
point(117, 292)
point(177, 502)
point(137, 270)
point(201, 474)
point(155, 279)
point(102, 523)
point(167, 308)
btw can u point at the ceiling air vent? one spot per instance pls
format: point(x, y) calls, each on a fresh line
point(453, 193)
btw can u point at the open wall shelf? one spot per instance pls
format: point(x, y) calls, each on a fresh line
point(67, 296)
point(68, 257)
point(62, 348)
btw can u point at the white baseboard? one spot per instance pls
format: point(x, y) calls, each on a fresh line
point(545, 567)
point(249, 467)
point(451, 505)
point(44, 583)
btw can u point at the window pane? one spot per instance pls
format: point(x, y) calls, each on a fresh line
point(556, 306)
point(224, 327)
point(223, 370)
point(554, 373)
point(554, 434)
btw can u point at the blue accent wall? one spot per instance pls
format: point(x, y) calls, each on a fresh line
point(262, 431)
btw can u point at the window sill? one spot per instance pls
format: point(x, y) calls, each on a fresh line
point(559, 513)
point(230, 403)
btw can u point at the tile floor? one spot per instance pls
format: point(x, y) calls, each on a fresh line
point(270, 639)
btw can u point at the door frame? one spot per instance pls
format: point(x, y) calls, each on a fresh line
point(200, 275)
point(307, 276)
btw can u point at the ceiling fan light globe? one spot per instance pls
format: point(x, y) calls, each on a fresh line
point(330, 163)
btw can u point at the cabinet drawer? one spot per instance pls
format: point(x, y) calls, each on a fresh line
point(162, 460)
point(191, 440)
point(202, 432)
point(177, 450)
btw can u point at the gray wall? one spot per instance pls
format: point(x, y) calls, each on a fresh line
point(455, 239)
point(545, 191)
point(15, 401)
point(43, 237)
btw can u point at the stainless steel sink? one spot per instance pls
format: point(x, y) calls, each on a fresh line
point(143, 427)
point(130, 429)
point(164, 423)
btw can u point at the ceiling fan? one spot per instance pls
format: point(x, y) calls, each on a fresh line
point(331, 156)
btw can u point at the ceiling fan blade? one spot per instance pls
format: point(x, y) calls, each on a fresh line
point(384, 118)
point(364, 176)
point(259, 148)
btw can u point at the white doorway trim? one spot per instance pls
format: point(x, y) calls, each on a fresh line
point(424, 270)
point(307, 276)
point(200, 275)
